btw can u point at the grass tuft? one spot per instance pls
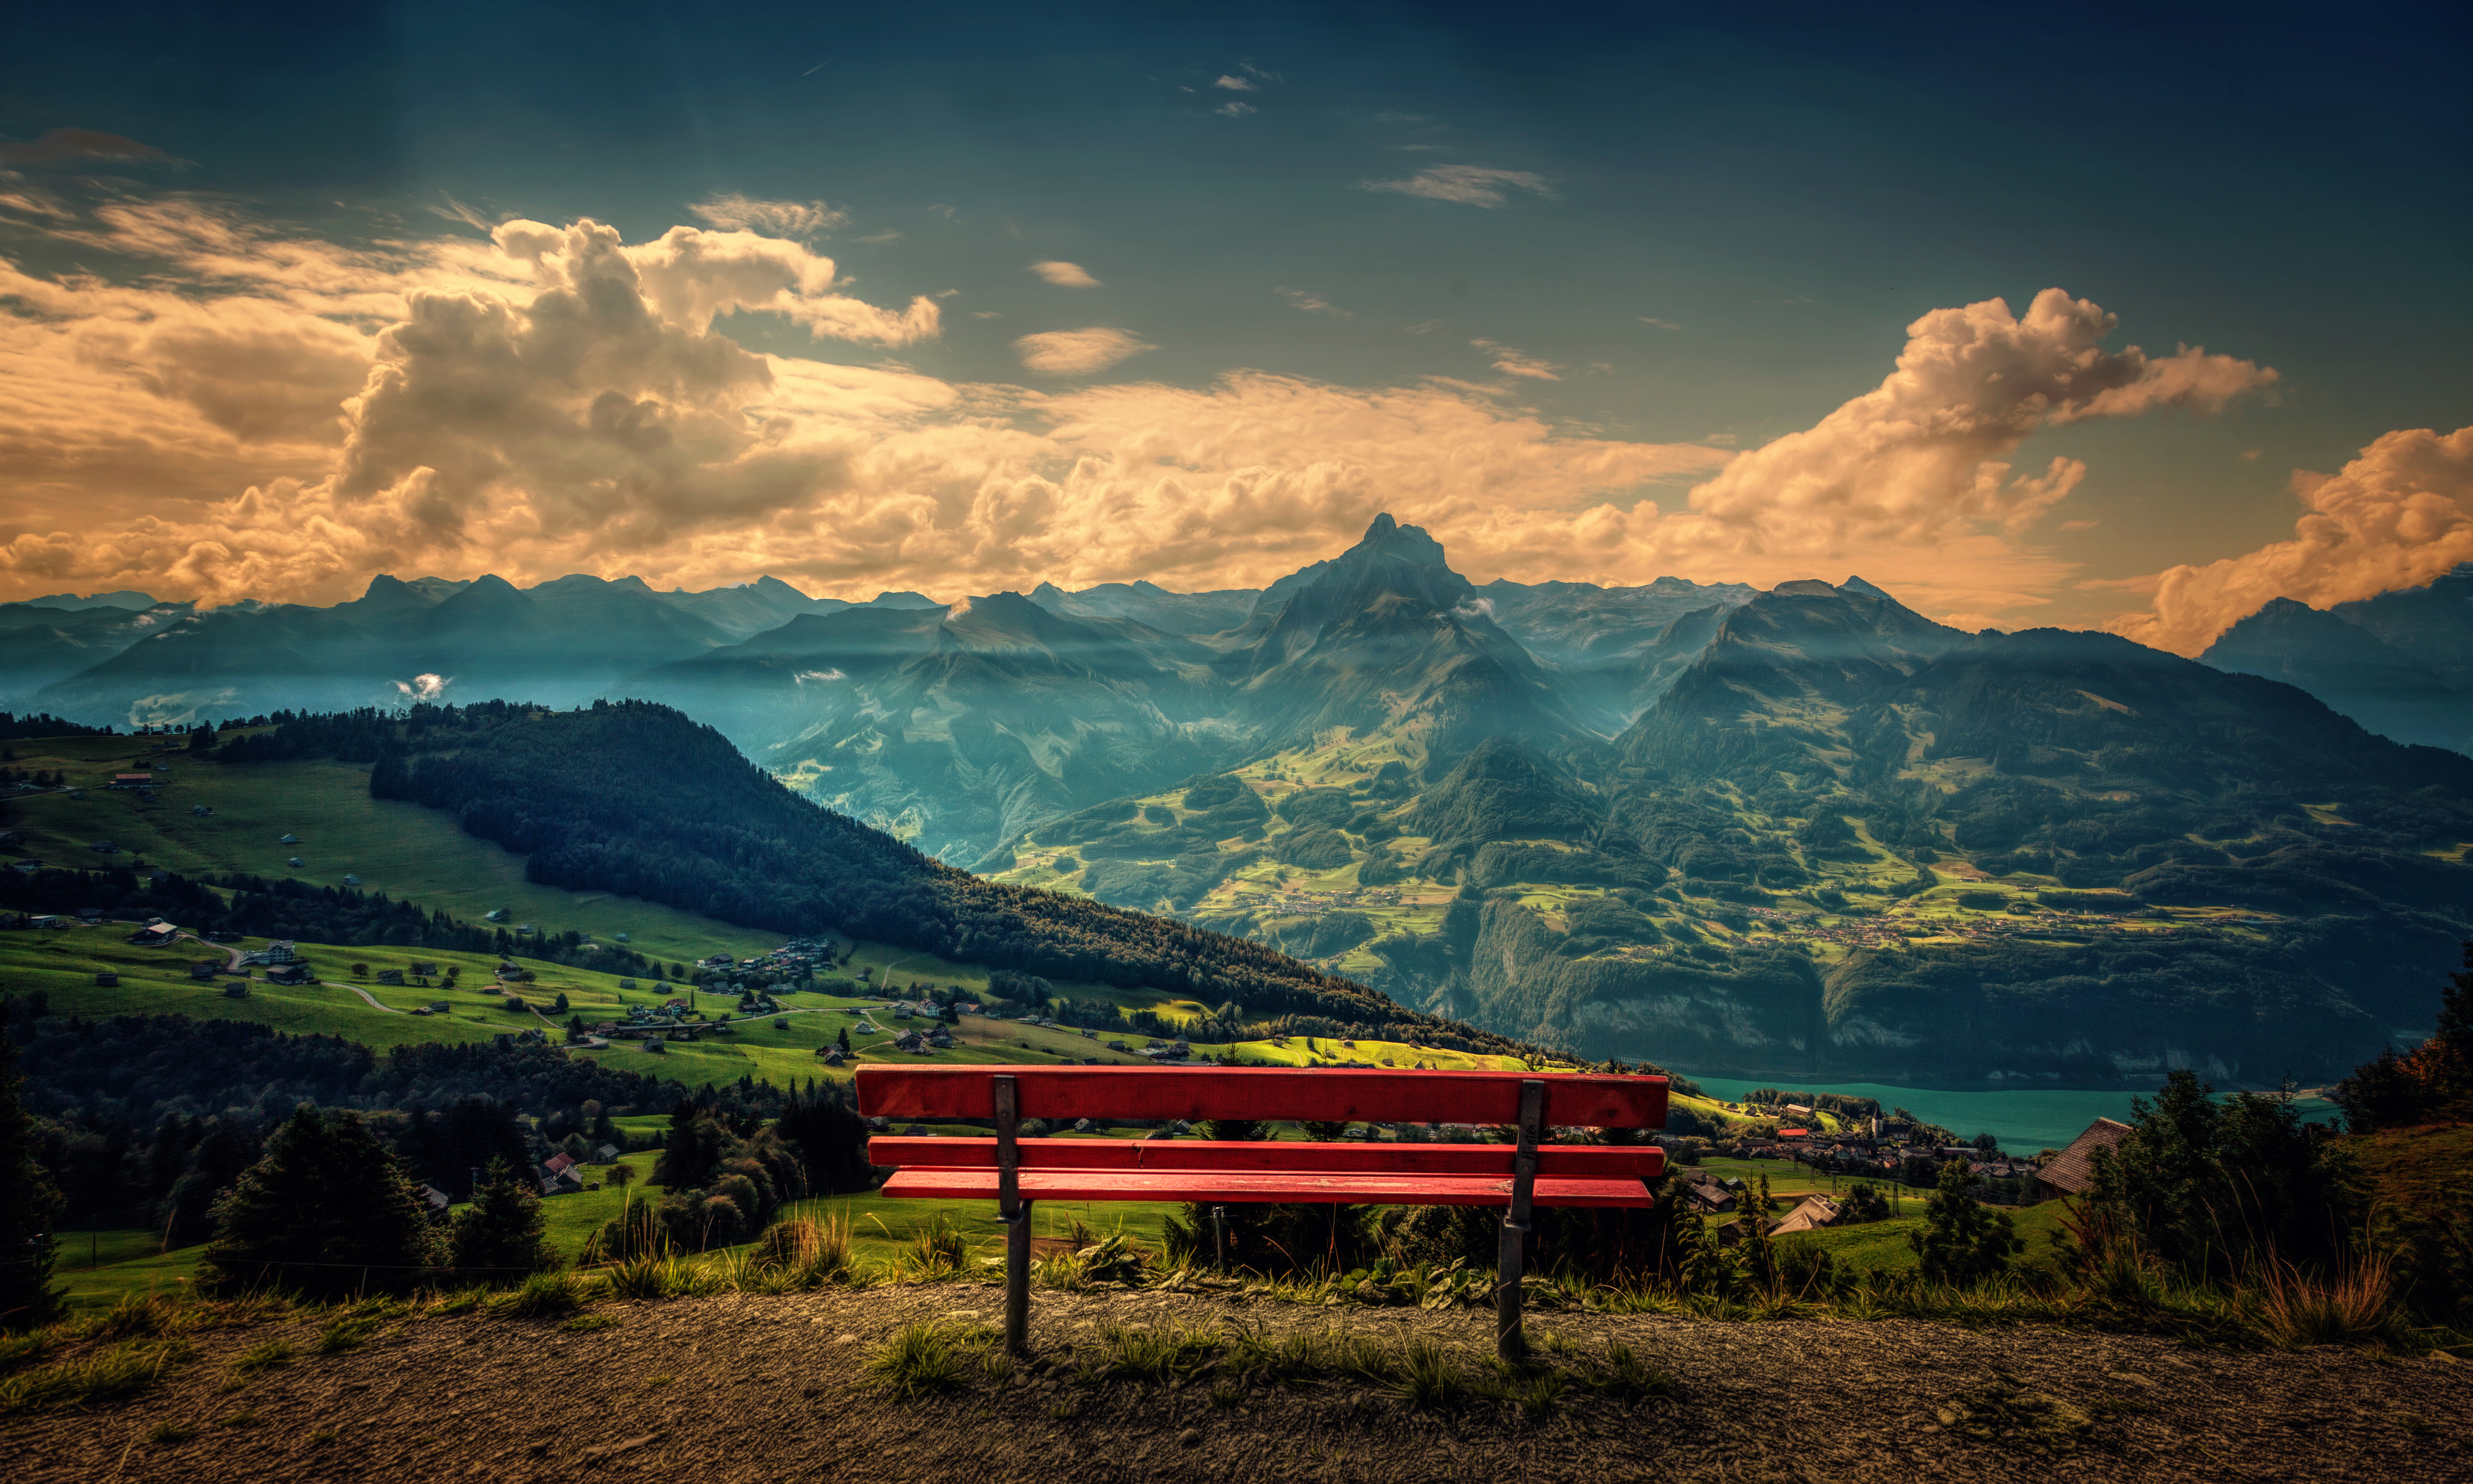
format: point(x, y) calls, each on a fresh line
point(928, 1357)
point(542, 1295)
point(123, 1370)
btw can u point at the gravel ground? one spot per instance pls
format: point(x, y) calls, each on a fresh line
point(748, 1387)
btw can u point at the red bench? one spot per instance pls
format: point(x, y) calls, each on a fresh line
point(1015, 1171)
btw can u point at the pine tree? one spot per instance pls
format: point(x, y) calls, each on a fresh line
point(500, 1235)
point(1962, 1243)
point(327, 1212)
point(26, 1214)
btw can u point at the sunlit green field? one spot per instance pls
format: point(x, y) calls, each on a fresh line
point(394, 847)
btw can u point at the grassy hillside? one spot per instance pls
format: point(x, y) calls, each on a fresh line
point(396, 848)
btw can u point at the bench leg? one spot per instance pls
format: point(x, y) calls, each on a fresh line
point(1510, 1341)
point(1510, 1257)
point(1017, 1333)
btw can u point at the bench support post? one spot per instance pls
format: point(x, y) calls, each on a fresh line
point(1509, 1341)
point(1014, 1213)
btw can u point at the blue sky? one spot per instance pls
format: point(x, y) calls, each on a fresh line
point(1688, 231)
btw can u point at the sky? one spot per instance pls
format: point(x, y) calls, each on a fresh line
point(2081, 319)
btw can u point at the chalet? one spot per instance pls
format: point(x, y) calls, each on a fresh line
point(131, 781)
point(606, 1154)
point(106, 980)
point(2073, 1170)
point(47, 919)
point(104, 848)
point(393, 976)
point(289, 973)
point(1810, 1214)
point(560, 1182)
point(289, 840)
point(278, 951)
point(436, 1198)
point(560, 1163)
point(626, 983)
point(155, 935)
point(350, 880)
point(204, 969)
point(293, 861)
point(832, 1055)
point(420, 969)
point(439, 1006)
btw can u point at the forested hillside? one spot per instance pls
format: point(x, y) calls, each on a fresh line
point(635, 798)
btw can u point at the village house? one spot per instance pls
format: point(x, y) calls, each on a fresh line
point(2071, 1171)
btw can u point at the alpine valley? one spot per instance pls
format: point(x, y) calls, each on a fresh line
point(1803, 832)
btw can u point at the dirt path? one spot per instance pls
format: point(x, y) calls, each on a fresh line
point(752, 1388)
point(371, 1000)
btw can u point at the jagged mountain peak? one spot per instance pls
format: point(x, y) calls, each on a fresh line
point(1388, 537)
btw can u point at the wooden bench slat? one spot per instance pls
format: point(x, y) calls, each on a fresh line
point(1335, 1095)
point(1302, 1186)
point(1572, 1160)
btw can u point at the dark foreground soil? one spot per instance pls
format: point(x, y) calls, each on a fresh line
point(746, 1387)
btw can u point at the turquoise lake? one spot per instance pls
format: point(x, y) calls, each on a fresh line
point(2024, 1119)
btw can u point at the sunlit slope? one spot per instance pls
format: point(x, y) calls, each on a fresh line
point(400, 848)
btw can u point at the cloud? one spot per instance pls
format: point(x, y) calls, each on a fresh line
point(1067, 275)
point(425, 688)
point(82, 147)
point(456, 211)
point(1663, 324)
point(1925, 453)
point(2399, 515)
point(241, 410)
point(1234, 85)
point(1078, 352)
point(1516, 362)
point(1470, 185)
point(731, 211)
point(1236, 109)
point(1313, 305)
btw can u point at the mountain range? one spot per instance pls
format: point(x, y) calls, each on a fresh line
point(1802, 831)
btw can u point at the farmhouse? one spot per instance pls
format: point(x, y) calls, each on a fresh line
point(2073, 1170)
point(131, 781)
point(289, 973)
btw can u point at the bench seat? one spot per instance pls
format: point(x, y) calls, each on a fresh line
point(1304, 1187)
point(1637, 1163)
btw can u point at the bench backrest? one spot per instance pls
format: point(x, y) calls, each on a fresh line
point(1341, 1094)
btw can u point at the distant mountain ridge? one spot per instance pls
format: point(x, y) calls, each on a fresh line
point(1806, 831)
point(2400, 663)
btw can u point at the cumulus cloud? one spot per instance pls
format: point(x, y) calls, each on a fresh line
point(731, 211)
point(425, 688)
point(2399, 515)
point(247, 412)
point(1925, 454)
point(1078, 352)
point(1065, 276)
point(1312, 303)
point(1469, 186)
point(1235, 108)
point(1234, 85)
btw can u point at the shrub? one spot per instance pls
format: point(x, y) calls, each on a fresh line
point(327, 1211)
point(1962, 1243)
point(501, 1234)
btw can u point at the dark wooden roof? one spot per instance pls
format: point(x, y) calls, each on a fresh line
point(2072, 1169)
